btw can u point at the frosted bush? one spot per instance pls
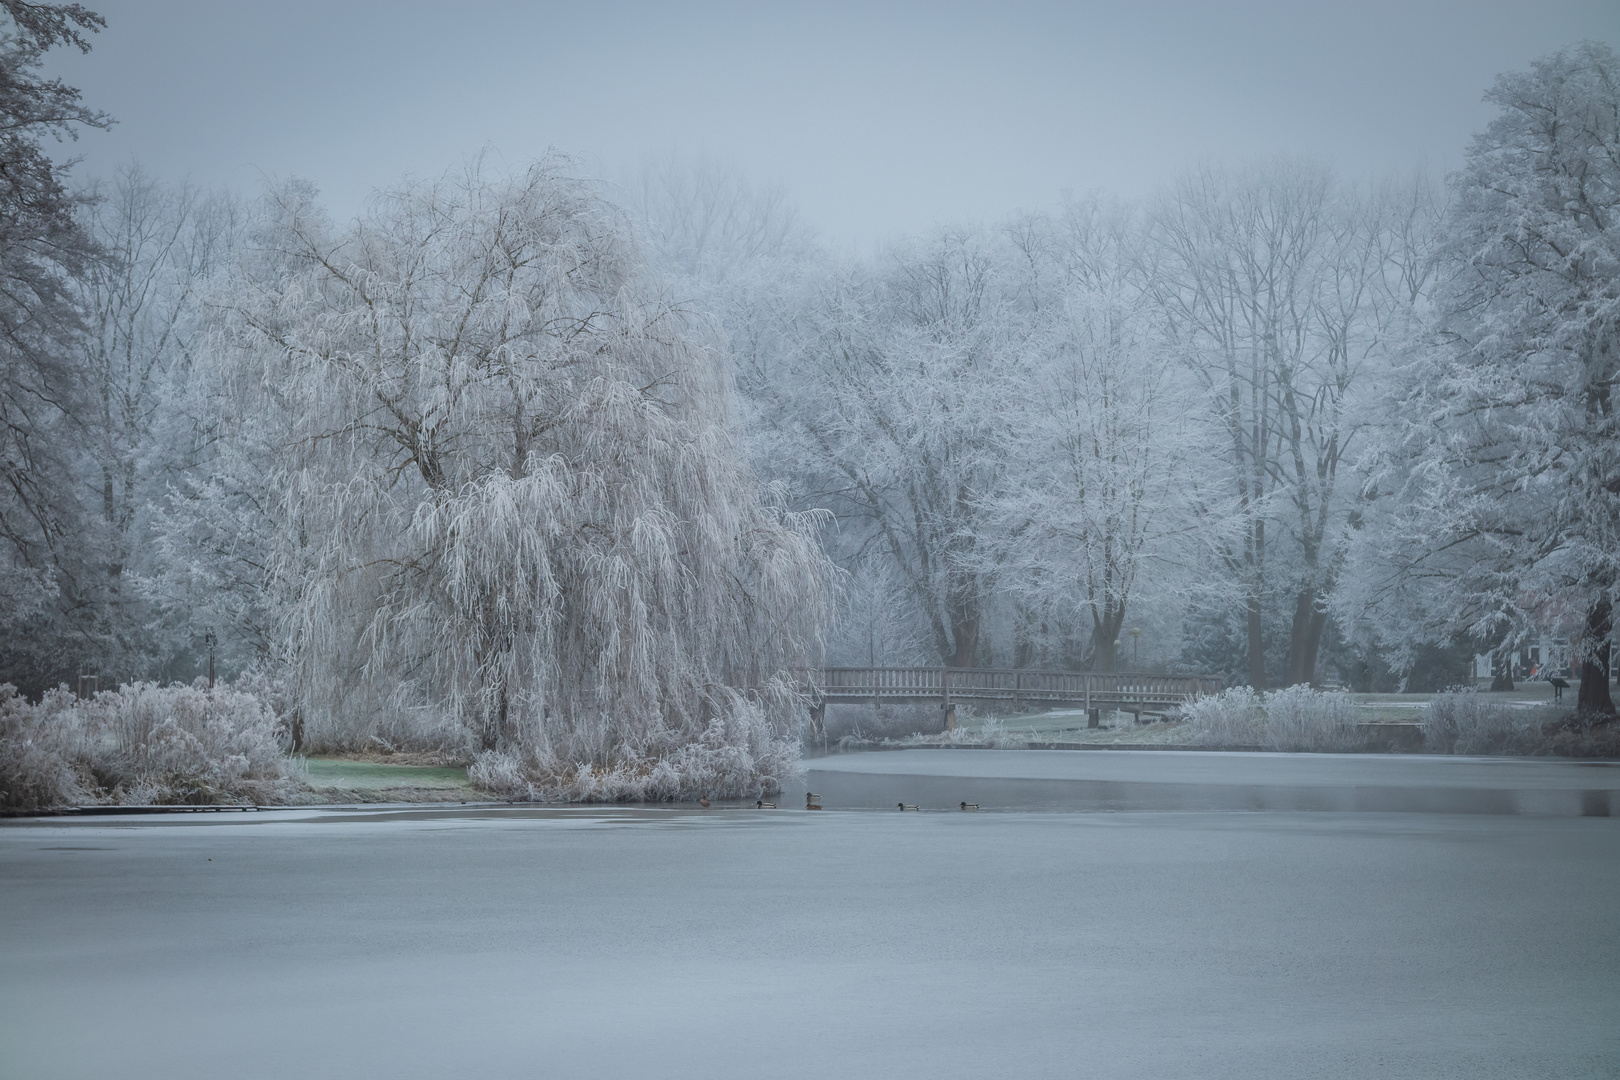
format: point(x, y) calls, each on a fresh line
point(182, 744)
point(1233, 717)
point(41, 763)
point(1461, 722)
point(1295, 718)
point(1300, 718)
point(739, 754)
point(970, 731)
point(862, 724)
point(141, 744)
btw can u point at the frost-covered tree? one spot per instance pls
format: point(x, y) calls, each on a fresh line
point(1511, 497)
point(145, 318)
point(708, 223)
point(897, 404)
point(1096, 469)
point(43, 248)
point(508, 493)
point(1265, 280)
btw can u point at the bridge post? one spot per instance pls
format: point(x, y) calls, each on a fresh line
point(818, 717)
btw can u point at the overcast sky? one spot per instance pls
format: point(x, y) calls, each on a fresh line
point(878, 118)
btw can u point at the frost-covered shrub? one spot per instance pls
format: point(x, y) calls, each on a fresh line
point(1300, 718)
point(141, 744)
point(739, 754)
point(1461, 722)
point(970, 731)
point(1233, 717)
point(184, 744)
point(872, 723)
point(1295, 718)
point(41, 763)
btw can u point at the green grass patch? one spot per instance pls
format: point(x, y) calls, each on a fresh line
point(362, 775)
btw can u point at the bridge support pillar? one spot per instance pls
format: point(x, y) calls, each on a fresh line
point(1093, 718)
point(950, 717)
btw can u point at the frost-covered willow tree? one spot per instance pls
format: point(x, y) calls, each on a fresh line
point(1511, 498)
point(511, 500)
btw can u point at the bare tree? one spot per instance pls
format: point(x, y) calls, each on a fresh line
point(1265, 280)
point(899, 406)
point(1094, 487)
point(144, 319)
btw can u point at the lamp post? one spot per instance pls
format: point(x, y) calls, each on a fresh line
point(1136, 636)
point(208, 639)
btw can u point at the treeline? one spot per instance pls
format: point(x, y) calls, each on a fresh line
point(1268, 423)
point(1040, 435)
point(584, 475)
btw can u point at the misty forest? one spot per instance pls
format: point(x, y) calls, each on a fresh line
point(581, 480)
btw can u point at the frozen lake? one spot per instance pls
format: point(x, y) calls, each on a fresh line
point(1214, 780)
point(847, 943)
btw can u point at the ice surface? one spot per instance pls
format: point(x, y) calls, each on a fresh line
point(738, 943)
point(1211, 780)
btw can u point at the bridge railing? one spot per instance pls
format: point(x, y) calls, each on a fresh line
point(1017, 685)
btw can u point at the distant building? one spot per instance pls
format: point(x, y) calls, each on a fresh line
point(1539, 659)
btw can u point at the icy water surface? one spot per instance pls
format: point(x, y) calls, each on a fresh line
point(843, 943)
point(1213, 780)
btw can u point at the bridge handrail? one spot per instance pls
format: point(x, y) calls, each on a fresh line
point(1035, 683)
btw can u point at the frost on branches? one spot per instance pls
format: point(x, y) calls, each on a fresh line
point(513, 512)
point(1512, 484)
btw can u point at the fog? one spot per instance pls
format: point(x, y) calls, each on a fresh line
point(879, 119)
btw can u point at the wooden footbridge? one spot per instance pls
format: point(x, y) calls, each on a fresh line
point(1019, 688)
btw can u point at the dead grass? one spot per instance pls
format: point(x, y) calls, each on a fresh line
point(1578, 737)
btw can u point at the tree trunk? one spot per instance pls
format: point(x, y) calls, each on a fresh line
point(965, 632)
point(1501, 670)
point(1305, 638)
point(1298, 632)
point(1105, 638)
point(1594, 697)
point(495, 736)
point(1257, 647)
